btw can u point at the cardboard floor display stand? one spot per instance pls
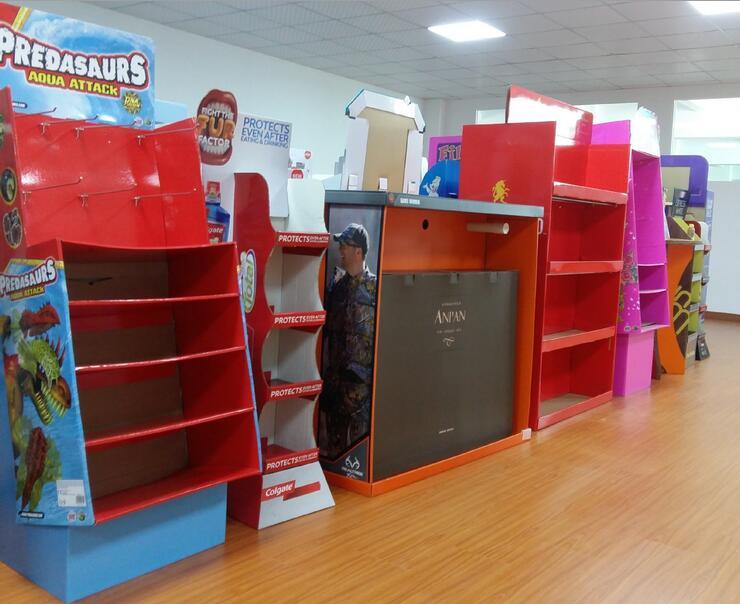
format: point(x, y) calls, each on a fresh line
point(129, 393)
point(280, 266)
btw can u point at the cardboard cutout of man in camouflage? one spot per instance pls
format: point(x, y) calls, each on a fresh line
point(349, 336)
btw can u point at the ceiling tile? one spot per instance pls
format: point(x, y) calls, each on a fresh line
point(432, 15)
point(730, 21)
point(502, 71)
point(522, 56)
point(355, 73)
point(633, 45)
point(341, 10)
point(608, 73)
point(569, 76)
point(614, 31)
point(588, 85)
point(492, 9)
point(402, 54)
point(635, 82)
point(244, 21)
point(386, 68)
point(360, 58)
point(732, 75)
point(331, 29)
point(558, 37)
point(547, 5)
point(115, 4)
point(371, 42)
point(413, 76)
point(545, 66)
point(199, 9)
point(481, 81)
point(732, 35)
point(667, 56)
point(415, 37)
point(321, 48)
point(708, 54)
point(584, 17)
point(694, 77)
point(204, 27)
point(719, 64)
point(245, 40)
point(252, 4)
point(391, 5)
point(151, 11)
point(573, 51)
point(382, 23)
point(286, 35)
point(676, 25)
point(699, 40)
point(525, 24)
point(666, 68)
point(454, 74)
point(451, 50)
point(479, 60)
point(654, 9)
point(428, 64)
point(288, 14)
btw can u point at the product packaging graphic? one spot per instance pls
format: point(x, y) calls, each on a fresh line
point(40, 396)
point(232, 142)
point(74, 69)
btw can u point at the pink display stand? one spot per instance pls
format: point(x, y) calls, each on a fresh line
point(643, 303)
point(444, 147)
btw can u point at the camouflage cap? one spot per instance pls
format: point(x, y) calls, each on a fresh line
point(355, 235)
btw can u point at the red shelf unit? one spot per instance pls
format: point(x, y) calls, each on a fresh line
point(583, 189)
point(161, 380)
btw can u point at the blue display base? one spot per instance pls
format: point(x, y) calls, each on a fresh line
point(73, 563)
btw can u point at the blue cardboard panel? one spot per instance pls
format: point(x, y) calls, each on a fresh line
point(111, 553)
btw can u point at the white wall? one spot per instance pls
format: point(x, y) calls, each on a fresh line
point(724, 264)
point(450, 115)
point(187, 66)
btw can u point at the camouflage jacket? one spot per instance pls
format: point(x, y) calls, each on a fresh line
point(349, 334)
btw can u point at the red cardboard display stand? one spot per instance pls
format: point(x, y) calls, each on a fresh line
point(280, 268)
point(160, 382)
point(552, 162)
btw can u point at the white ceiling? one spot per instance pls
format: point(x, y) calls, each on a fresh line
point(551, 45)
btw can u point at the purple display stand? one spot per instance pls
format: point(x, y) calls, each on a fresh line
point(698, 175)
point(644, 302)
point(444, 147)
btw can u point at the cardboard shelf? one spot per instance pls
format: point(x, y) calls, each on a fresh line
point(148, 430)
point(574, 337)
point(645, 292)
point(85, 308)
point(291, 282)
point(183, 483)
point(299, 320)
point(283, 389)
point(302, 243)
point(83, 369)
point(578, 193)
point(567, 405)
point(570, 267)
point(276, 458)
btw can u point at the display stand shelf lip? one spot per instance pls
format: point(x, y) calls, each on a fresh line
point(562, 407)
point(674, 241)
point(696, 277)
point(180, 484)
point(568, 192)
point(168, 360)
point(648, 327)
point(276, 458)
point(118, 437)
point(658, 290)
point(132, 252)
point(280, 389)
point(575, 337)
point(103, 305)
point(651, 264)
point(575, 267)
point(298, 320)
point(694, 308)
point(422, 202)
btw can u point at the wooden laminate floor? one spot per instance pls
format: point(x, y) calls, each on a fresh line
point(636, 501)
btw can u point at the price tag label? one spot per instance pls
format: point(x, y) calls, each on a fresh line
point(71, 494)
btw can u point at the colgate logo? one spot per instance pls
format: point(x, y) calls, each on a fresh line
point(279, 490)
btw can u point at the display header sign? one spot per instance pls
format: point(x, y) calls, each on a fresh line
point(76, 70)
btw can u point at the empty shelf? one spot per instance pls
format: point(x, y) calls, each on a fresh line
point(580, 193)
point(83, 369)
point(178, 485)
point(574, 337)
point(572, 267)
point(117, 437)
point(567, 405)
point(85, 308)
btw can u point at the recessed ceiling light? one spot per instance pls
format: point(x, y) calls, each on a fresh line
point(706, 7)
point(468, 31)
